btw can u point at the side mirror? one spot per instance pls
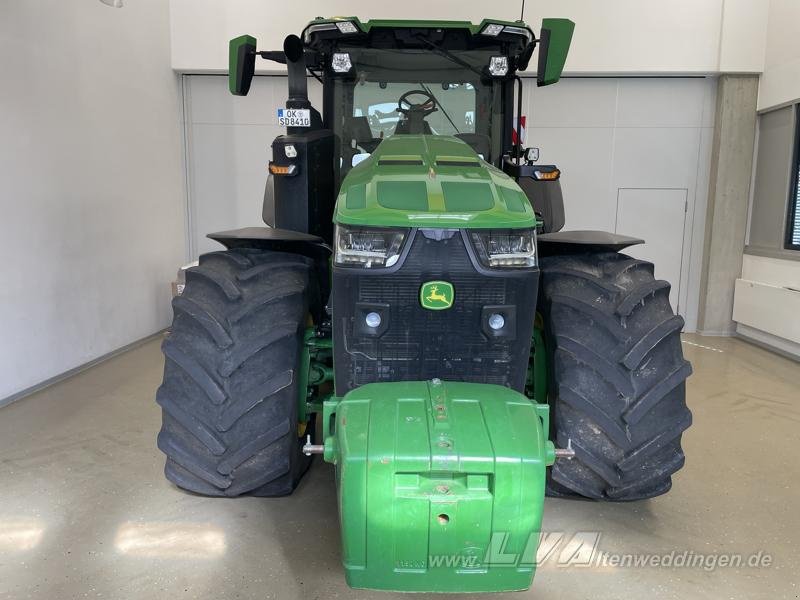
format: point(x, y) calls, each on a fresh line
point(241, 64)
point(554, 40)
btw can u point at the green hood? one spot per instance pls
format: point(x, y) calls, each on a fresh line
point(430, 181)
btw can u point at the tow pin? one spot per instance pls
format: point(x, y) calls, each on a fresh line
point(309, 448)
point(567, 452)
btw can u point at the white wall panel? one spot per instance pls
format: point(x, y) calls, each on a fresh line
point(655, 157)
point(91, 184)
point(585, 158)
point(780, 82)
point(659, 217)
point(661, 102)
point(573, 102)
point(744, 35)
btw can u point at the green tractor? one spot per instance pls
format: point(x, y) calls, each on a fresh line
point(414, 313)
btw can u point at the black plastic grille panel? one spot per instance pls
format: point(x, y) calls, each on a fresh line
point(420, 344)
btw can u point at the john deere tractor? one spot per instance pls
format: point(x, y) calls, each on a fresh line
point(414, 312)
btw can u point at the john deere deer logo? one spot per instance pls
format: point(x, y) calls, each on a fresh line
point(436, 295)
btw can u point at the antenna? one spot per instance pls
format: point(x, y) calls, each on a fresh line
point(522, 12)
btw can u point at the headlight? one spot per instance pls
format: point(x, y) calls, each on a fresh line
point(368, 248)
point(507, 248)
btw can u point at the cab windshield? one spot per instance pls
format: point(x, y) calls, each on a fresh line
point(448, 99)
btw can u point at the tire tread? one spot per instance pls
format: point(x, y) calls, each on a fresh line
point(229, 396)
point(618, 376)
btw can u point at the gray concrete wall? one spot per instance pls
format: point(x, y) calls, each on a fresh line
point(728, 197)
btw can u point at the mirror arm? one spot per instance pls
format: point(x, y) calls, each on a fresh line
point(277, 56)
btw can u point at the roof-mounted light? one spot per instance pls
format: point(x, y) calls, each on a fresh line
point(492, 29)
point(495, 29)
point(498, 66)
point(346, 27)
point(340, 62)
point(517, 31)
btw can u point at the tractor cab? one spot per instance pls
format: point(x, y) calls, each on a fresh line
point(385, 78)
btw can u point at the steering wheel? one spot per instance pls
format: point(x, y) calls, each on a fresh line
point(426, 107)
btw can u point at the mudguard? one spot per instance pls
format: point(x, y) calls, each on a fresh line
point(270, 238)
point(579, 242)
point(441, 485)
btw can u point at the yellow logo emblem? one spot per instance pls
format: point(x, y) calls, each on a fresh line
point(436, 295)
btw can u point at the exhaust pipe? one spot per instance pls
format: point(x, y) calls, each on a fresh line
point(296, 67)
point(298, 83)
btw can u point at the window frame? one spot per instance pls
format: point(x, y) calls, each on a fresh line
point(792, 214)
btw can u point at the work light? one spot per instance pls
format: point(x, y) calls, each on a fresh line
point(495, 29)
point(346, 27)
point(492, 29)
point(340, 62)
point(498, 66)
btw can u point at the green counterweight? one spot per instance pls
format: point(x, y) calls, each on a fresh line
point(441, 485)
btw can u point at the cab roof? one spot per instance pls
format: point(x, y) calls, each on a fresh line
point(511, 38)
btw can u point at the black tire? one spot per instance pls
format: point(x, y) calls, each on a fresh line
point(229, 397)
point(617, 376)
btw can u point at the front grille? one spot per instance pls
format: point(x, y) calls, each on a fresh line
point(414, 343)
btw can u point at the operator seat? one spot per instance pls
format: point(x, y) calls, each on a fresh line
point(404, 125)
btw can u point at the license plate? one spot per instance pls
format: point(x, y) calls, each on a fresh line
point(294, 117)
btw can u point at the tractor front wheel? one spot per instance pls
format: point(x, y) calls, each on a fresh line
point(617, 376)
point(230, 393)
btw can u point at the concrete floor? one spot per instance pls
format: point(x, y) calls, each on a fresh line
point(86, 513)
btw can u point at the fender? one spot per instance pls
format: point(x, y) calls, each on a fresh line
point(269, 238)
point(581, 242)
